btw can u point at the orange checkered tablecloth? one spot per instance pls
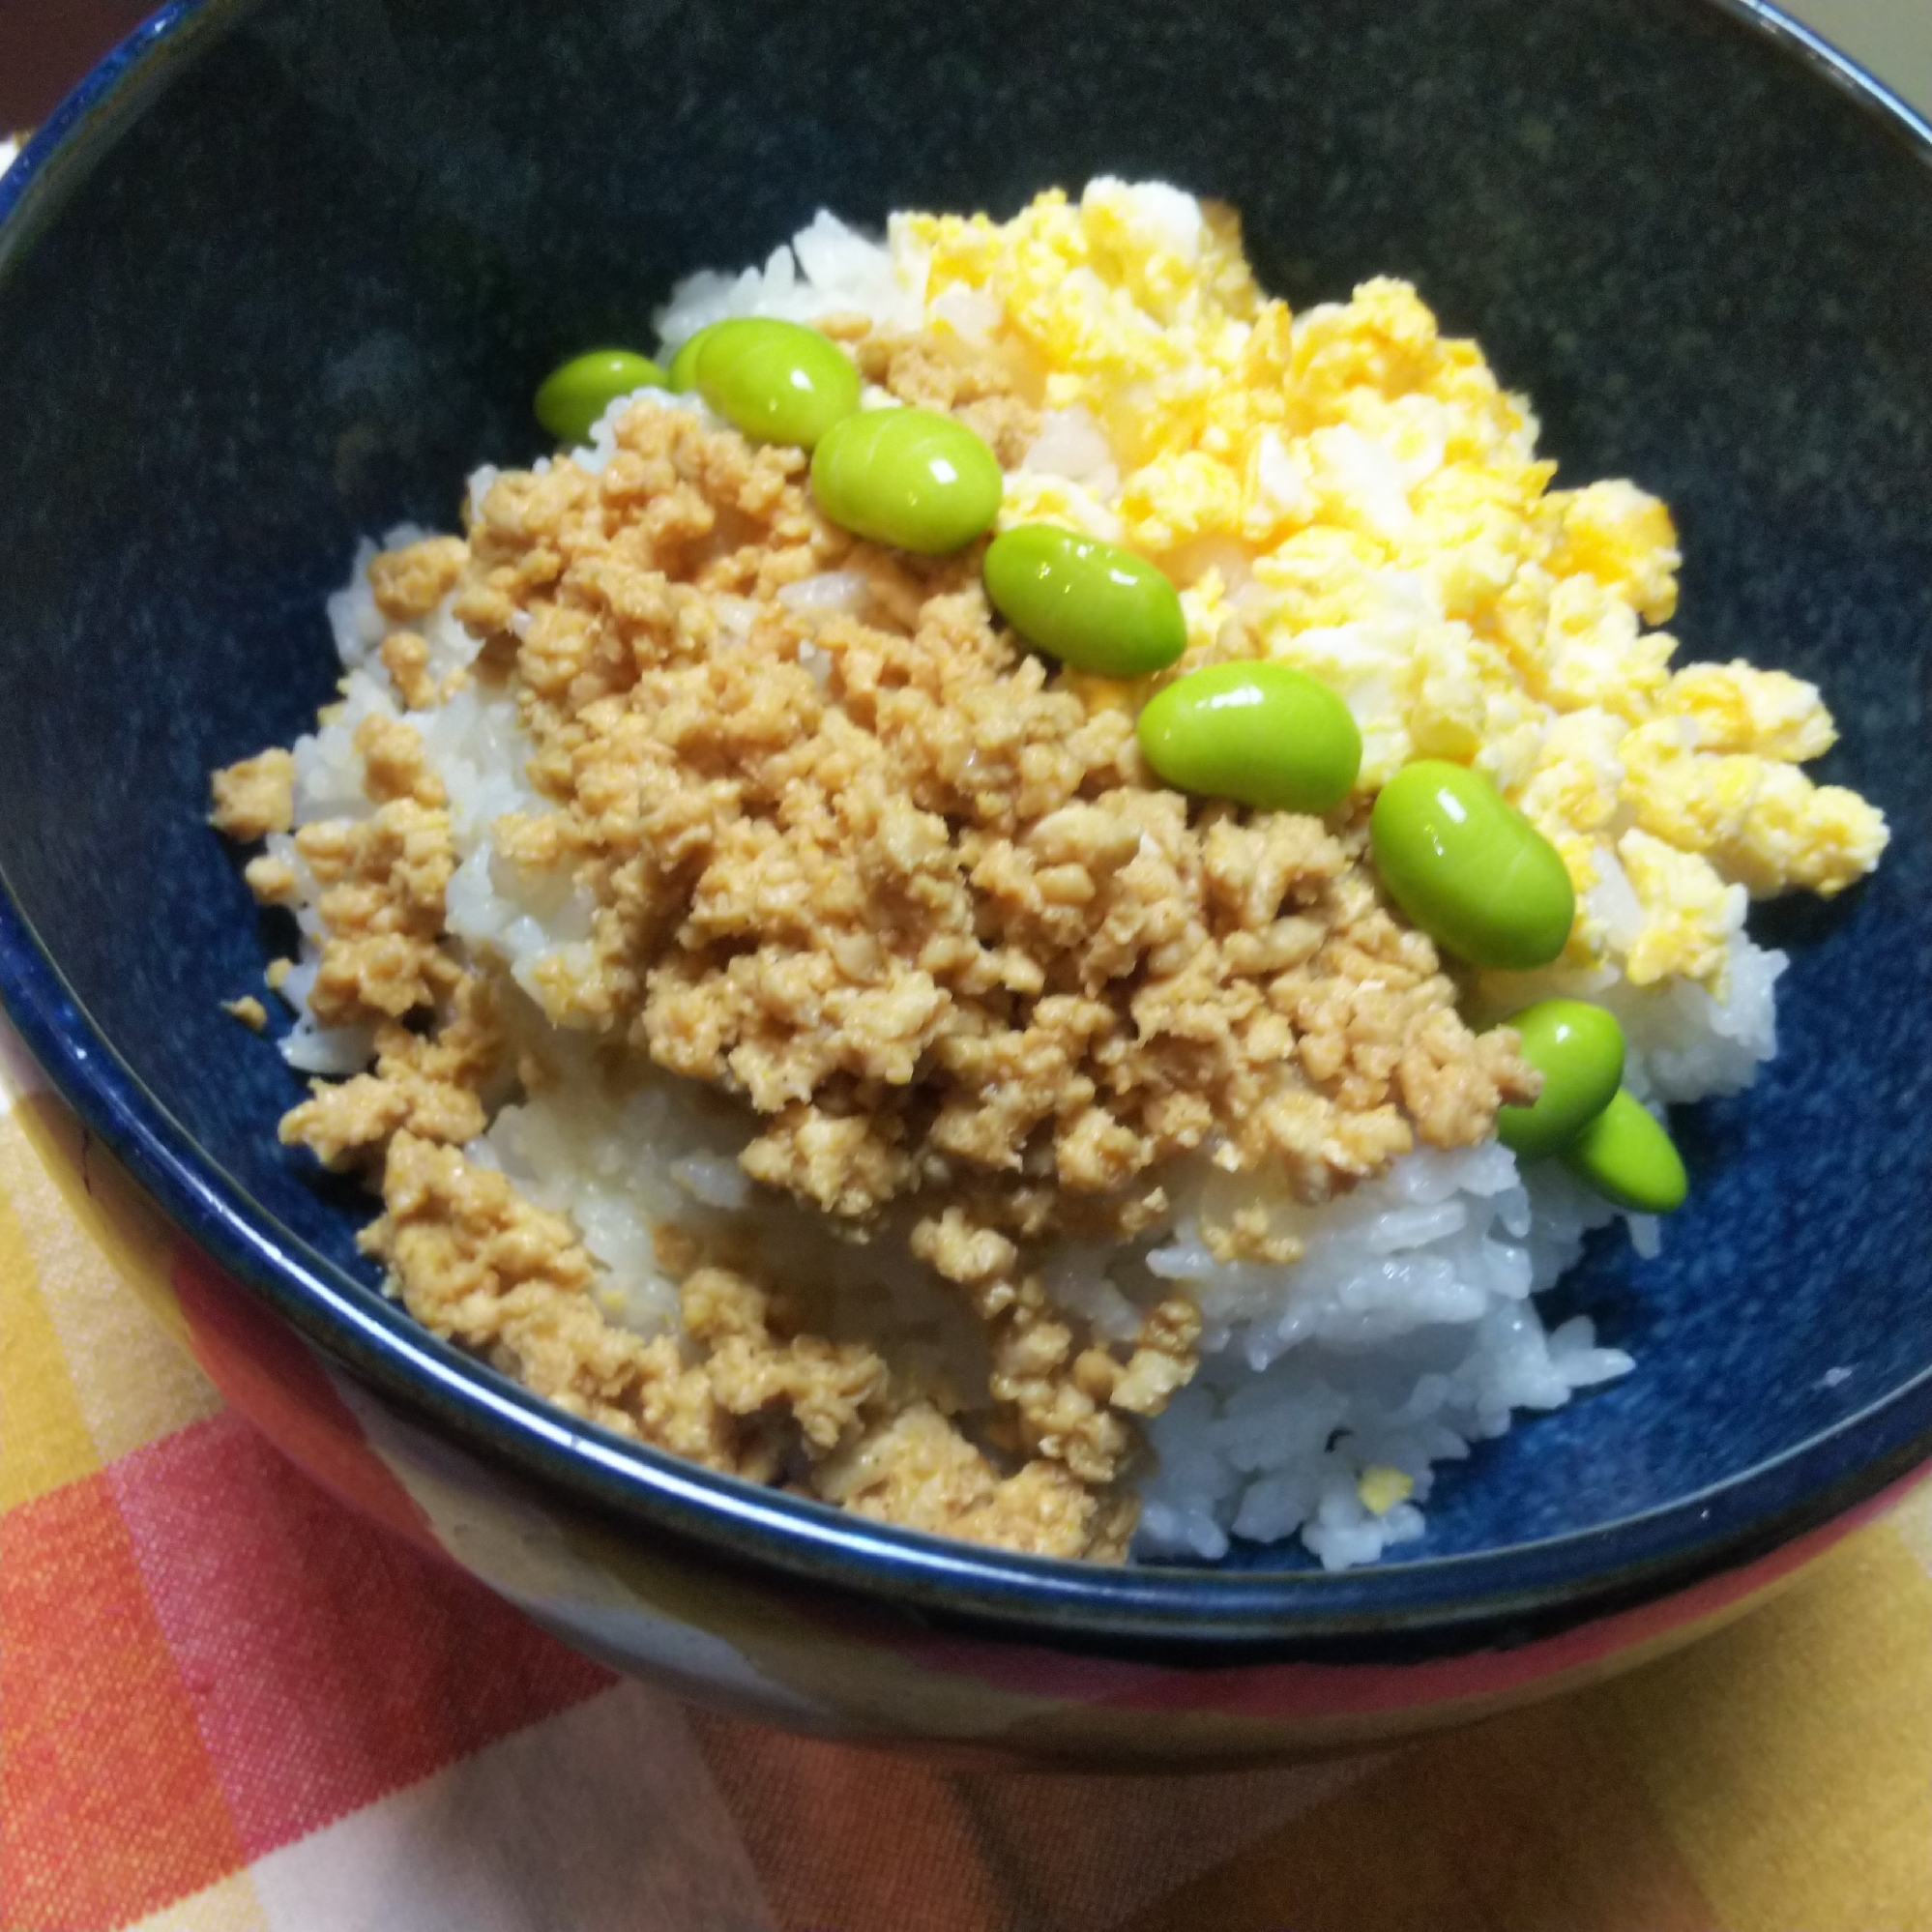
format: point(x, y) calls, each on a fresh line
point(229, 1705)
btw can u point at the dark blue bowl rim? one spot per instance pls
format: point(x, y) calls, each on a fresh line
point(1456, 1601)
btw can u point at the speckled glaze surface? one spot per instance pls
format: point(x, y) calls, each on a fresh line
point(282, 274)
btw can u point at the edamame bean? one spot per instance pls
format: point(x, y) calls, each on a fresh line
point(910, 478)
point(571, 398)
point(1091, 605)
point(778, 382)
point(1579, 1051)
point(682, 375)
point(1264, 735)
point(1629, 1159)
point(1475, 875)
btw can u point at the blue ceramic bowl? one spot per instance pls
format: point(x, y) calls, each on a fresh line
point(279, 276)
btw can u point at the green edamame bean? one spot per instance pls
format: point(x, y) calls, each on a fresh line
point(1091, 605)
point(778, 382)
point(1629, 1159)
point(1474, 875)
point(1579, 1051)
point(1264, 735)
point(910, 478)
point(682, 374)
point(571, 398)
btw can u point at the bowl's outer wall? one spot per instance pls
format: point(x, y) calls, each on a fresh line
point(820, 1663)
point(316, 283)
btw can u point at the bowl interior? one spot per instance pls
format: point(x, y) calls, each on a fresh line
point(314, 283)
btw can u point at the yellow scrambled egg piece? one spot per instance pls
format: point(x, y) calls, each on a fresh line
point(1382, 1487)
point(1739, 708)
point(1689, 913)
point(1350, 493)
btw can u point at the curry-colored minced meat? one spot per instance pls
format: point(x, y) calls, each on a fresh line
point(916, 901)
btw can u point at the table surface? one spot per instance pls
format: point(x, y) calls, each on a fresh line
point(227, 1704)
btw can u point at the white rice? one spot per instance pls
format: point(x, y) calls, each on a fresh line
point(1330, 1389)
point(825, 269)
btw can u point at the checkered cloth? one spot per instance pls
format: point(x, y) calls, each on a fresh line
point(228, 1704)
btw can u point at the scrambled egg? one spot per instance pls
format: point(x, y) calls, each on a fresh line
point(1382, 1487)
point(1349, 491)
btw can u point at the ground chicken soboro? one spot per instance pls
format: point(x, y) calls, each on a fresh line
point(910, 899)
